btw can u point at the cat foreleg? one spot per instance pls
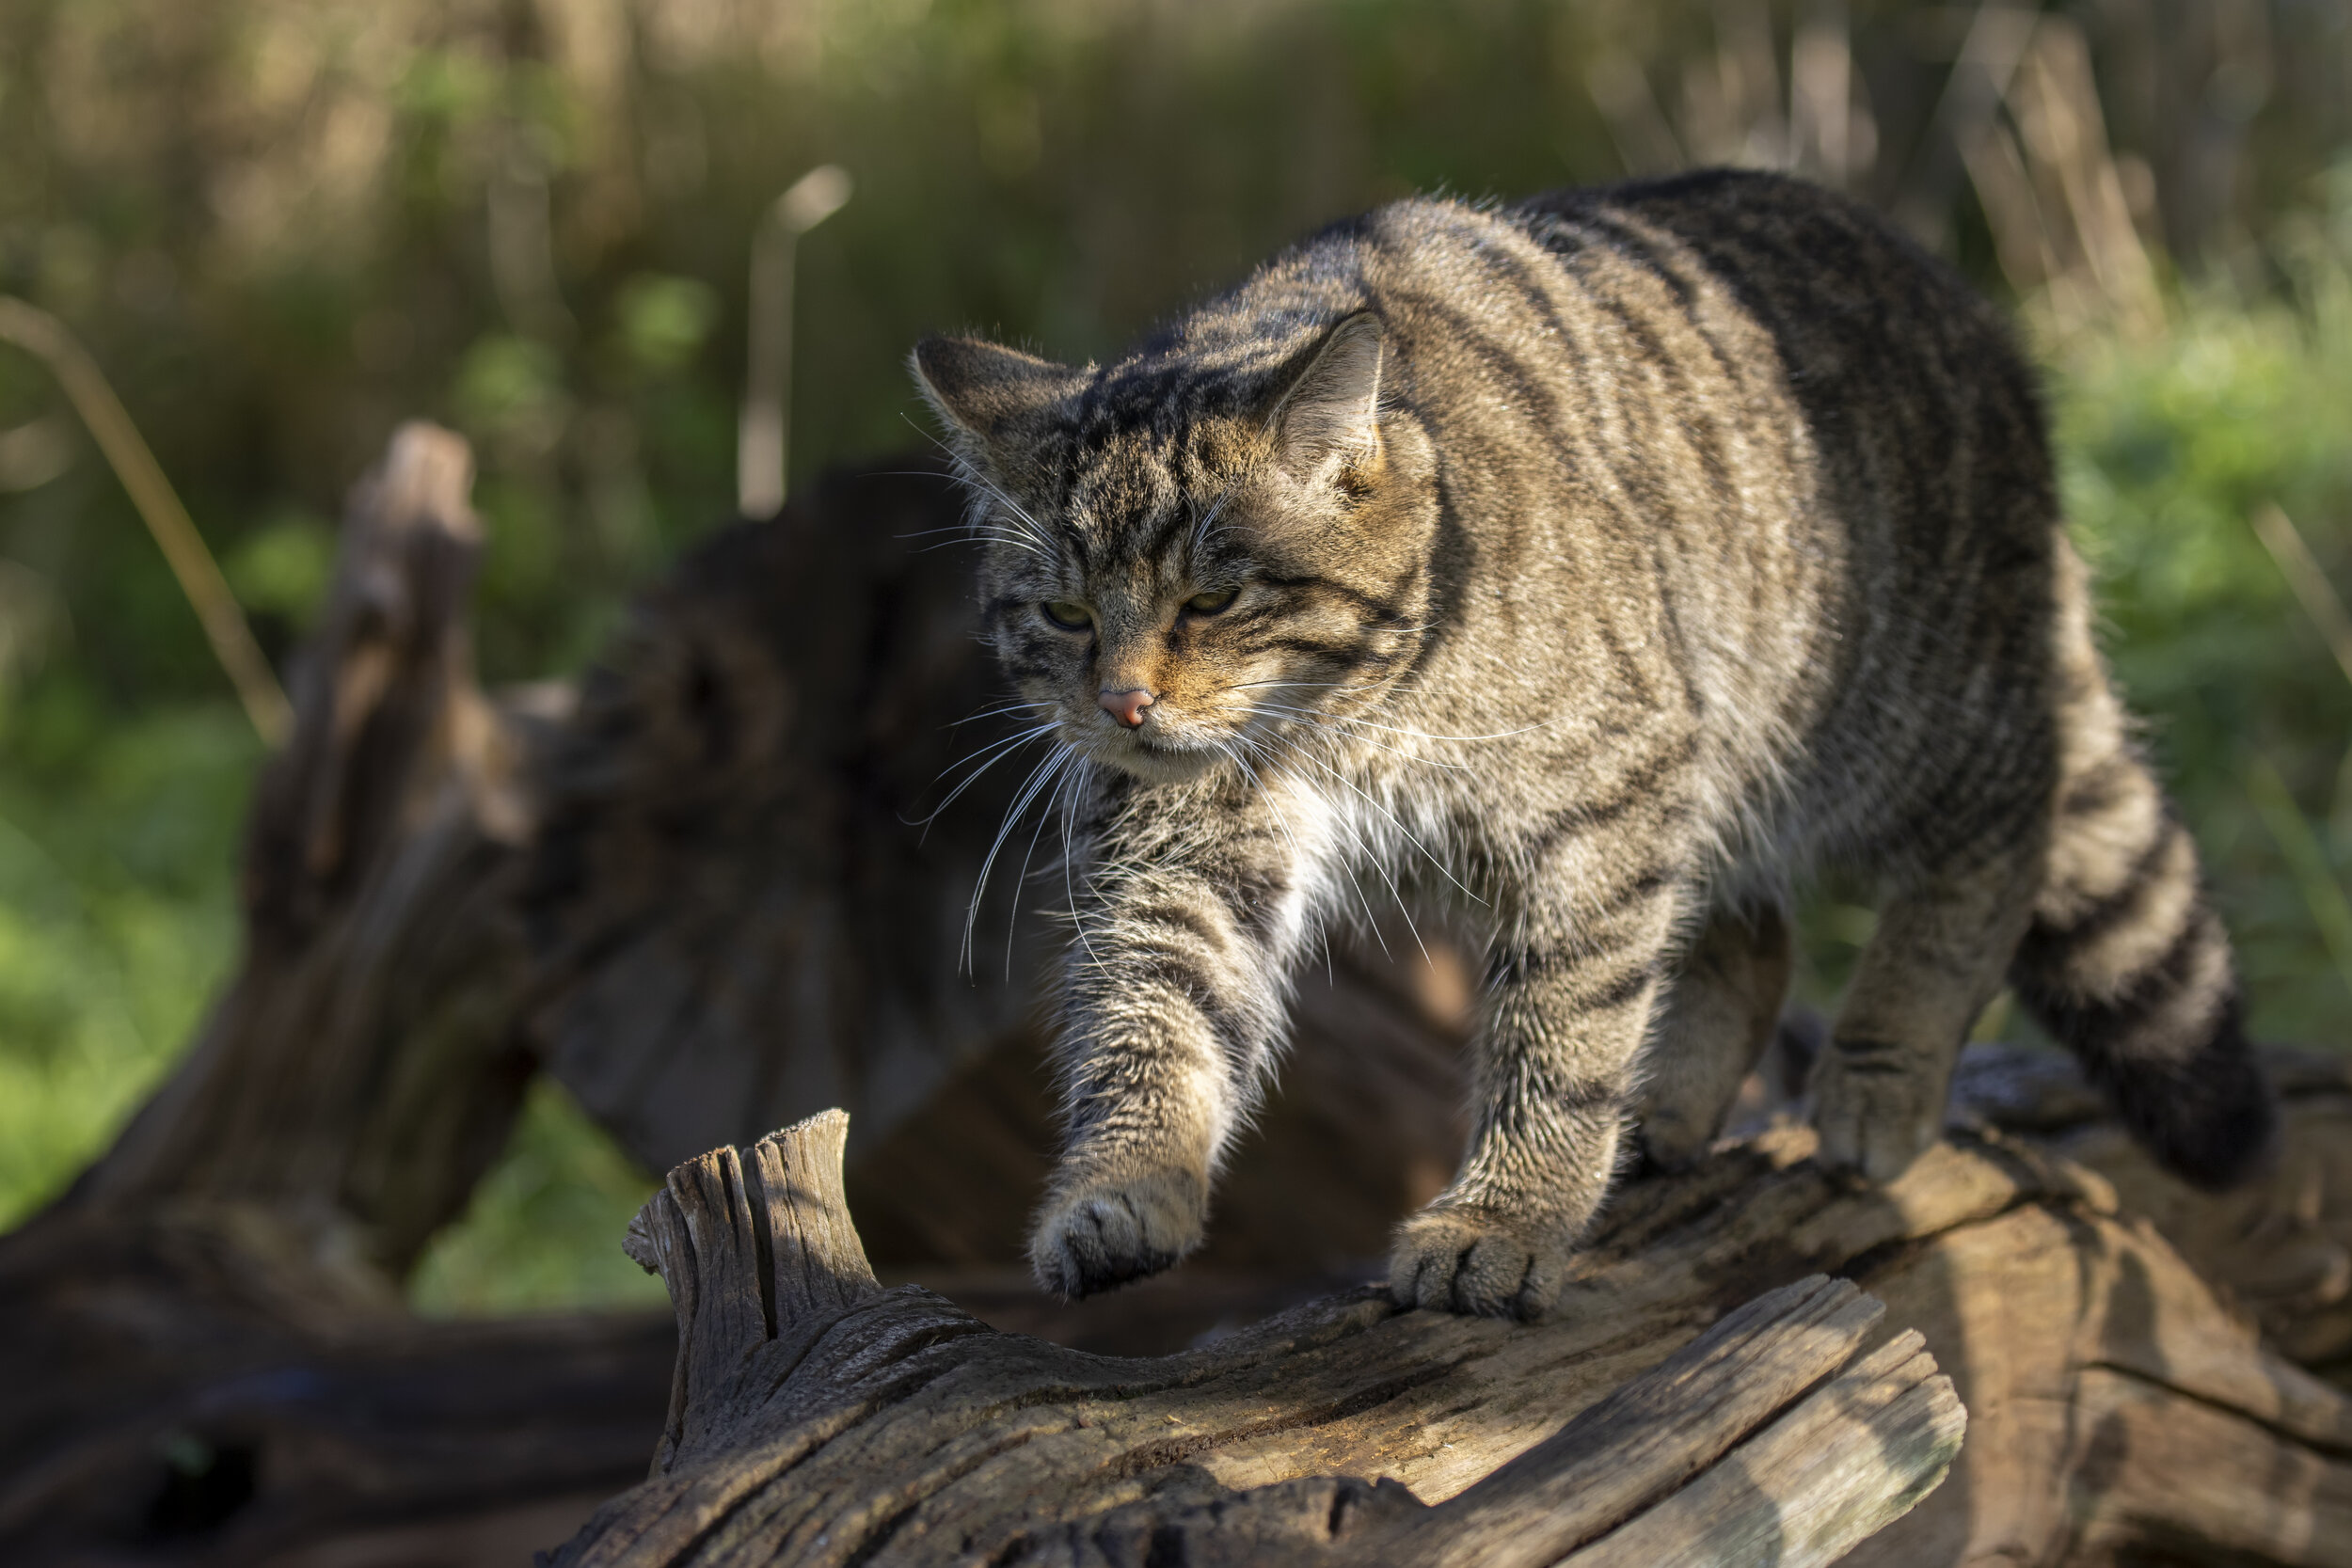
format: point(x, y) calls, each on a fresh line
point(1570, 994)
point(1173, 996)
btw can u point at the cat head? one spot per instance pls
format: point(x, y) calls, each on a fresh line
point(1194, 555)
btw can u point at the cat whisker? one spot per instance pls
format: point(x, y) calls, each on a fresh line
point(1012, 919)
point(964, 473)
point(1000, 750)
point(997, 712)
point(1003, 742)
point(1363, 851)
point(1068, 858)
point(1039, 776)
point(1316, 717)
point(1393, 729)
point(1201, 532)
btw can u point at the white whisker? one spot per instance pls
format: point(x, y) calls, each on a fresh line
point(1039, 776)
point(1001, 750)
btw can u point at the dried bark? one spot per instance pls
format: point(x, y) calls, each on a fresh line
point(819, 1419)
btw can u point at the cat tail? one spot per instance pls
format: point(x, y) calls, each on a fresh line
point(2124, 962)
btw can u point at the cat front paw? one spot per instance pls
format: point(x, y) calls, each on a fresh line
point(1096, 1234)
point(1477, 1262)
point(1874, 1116)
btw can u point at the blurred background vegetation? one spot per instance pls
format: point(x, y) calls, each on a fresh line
point(283, 225)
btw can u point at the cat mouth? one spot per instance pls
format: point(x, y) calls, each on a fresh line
point(1160, 762)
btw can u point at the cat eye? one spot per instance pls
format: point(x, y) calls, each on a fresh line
point(1068, 614)
point(1209, 604)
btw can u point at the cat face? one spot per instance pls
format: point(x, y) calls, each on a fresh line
point(1189, 568)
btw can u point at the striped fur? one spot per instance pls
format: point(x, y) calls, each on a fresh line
point(1580, 573)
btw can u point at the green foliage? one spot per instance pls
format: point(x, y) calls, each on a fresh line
point(283, 567)
point(284, 225)
point(544, 1227)
point(116, 915)
point(2170, 448)
point(660, 322)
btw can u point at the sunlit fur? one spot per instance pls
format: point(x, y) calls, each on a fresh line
point(1602, 565)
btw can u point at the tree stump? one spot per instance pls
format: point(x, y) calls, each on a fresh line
point(819, 1419)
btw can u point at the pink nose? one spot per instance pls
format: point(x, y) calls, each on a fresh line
point(1127, 706)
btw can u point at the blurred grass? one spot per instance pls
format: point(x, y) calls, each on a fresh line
point(283, 225)
point(117, 913)
point(544, 1229)
point(2170, 449)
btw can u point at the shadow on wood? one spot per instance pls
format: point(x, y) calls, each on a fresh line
point(819, 1418)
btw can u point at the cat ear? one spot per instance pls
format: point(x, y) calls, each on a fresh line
point(1332, 413)
point(983, 391)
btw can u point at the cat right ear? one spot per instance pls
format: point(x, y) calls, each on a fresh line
point(983, 392)
point(1326, 424)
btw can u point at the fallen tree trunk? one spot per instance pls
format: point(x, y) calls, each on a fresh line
point(818, 1419)
point(694, 897)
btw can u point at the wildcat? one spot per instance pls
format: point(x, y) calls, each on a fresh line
point(1588, 570)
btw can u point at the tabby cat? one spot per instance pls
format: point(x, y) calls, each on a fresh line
point(1586, 571)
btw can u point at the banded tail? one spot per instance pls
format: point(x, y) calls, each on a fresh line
point(2126, 963)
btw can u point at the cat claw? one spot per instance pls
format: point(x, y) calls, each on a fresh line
point(1103, 1234)
point(1476, 1263)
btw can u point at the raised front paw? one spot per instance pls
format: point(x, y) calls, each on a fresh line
point(1875, 1114)
point(1096, 1234)
point(1477, 1261)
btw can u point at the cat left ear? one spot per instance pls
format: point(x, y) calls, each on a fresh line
point(1327, 424)
point(983, 391)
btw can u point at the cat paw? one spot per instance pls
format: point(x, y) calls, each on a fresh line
point(1477, 1262)
point(1873, 1119)
point(1669, 1141)
point(1098, 1234)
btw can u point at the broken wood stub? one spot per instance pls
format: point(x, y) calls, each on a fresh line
point(753, 1244)
point(819, 1419)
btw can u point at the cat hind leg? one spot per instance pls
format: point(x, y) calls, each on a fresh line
point(1941, 944)
point(1717, 1018)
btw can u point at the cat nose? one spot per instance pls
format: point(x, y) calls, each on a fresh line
point(1127, 706)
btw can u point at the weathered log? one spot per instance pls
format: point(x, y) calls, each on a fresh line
point(163, 1400)
point(363, 1068)
point(819, 1418)
point(201, 1359)
point(203, 1356)
point(2281, 1246)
